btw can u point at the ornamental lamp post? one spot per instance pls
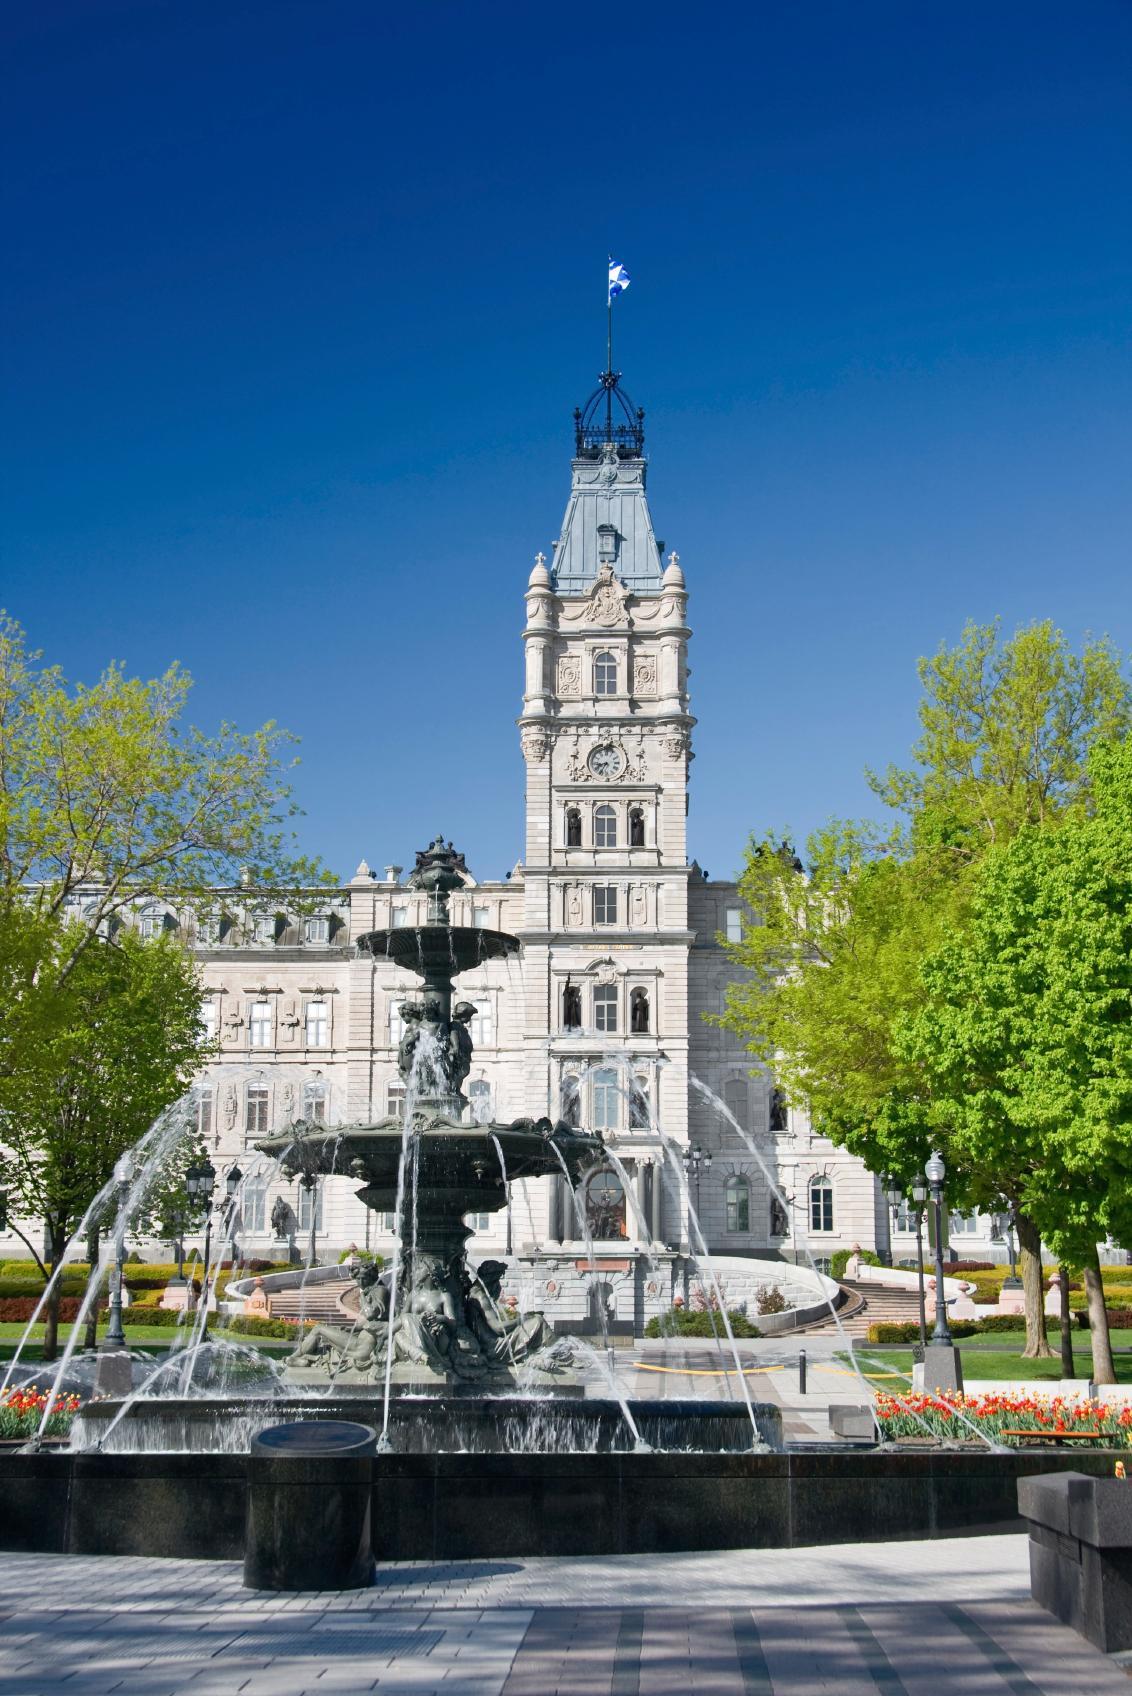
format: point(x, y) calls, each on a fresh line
point(696, 1160)
point(920, 1196)
point(894, 1195)
point(935, 1171)
point(123, 1175)
point(199, 1181)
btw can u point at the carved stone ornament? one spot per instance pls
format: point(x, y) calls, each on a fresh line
point(607, 601)
point(644, 676)
point(605, 972)
point(536, 742)
point(287, 1101)
point(675, 743)
point(231, 1106)
point(569, 675)
point(580, 767)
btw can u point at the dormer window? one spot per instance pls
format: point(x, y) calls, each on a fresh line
point(607, 543)
point(265, 926)
point(605, 674)
point(318, 928)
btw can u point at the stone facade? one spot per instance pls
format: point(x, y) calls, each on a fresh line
point(603, 1014)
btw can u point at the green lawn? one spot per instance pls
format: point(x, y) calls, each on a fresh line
point(1002, 1365)
point(144, 1336)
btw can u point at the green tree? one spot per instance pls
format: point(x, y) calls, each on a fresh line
point(107, 797)
point(111, 1049)
point(1024, 1043)
point(833, 953)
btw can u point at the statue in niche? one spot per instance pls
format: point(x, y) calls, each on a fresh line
point(778, 1118)
point(231, 1107)
point(574, 906)
point(779, 1223)
point(638, 909)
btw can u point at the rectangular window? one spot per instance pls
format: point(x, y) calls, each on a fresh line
point(207, 1022)
point(607, 1101)
point(738, 1205)
point(480, 1221)
point(315, 1100)
point(386, 1223)
point(253, 1206)
point(265, 927)
point(605, 903)
point(204, 1114)
point(395, 1100)
point(963, 1225)
point(256, 1122)
point(733, 919)
point(481, 917)
point(318, 1024)
point(310, 1200)
point(904, 1217)
point(259, 1024)
point(400, 918)
point(605, 1007)
point(821, 1206)
point(396, 1023)
point(483, 1025)
point(318, 929)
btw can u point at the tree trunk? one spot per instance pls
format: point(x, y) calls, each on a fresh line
point(1067, 1368)
point(90, 1330)
point(1103, 1371)
point(58, 1247)
point(1030, 1253)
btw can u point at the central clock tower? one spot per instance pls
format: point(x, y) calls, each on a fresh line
point(606, 732)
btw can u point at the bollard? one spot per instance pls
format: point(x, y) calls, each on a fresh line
point(310, 1486)
point(801, 1372)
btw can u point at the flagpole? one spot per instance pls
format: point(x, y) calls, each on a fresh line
point(609, 357)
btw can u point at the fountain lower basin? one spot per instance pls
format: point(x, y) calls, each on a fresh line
point(560, 1424)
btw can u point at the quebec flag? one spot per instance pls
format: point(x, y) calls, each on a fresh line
point(618, 278)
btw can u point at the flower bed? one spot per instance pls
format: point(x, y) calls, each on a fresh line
point(21, 1412)
point(919, 1415)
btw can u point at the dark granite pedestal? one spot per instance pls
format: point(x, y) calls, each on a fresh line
point(1081, 1553)
point(309, 1505)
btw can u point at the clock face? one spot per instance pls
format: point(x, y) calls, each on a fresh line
point(606, 762)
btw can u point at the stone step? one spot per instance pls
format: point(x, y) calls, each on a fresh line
point(317, 1301)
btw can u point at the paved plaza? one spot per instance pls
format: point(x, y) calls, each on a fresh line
point(944, 1618)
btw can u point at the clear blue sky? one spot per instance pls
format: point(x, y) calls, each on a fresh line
point(300, 297)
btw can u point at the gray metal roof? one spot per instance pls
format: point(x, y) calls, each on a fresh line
point(607, 516)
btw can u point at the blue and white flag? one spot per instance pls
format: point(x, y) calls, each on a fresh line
point(618, 278)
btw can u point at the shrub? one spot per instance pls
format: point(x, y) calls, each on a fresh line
point(985, 1298)
point(15, 1287)
point(1003, 1322)
point(1119, 1318)
point(973, 1266)
point(840, 1260)
point(17, 1310)
point(679, 1322)
point(769, 1299)
point(364, 1256)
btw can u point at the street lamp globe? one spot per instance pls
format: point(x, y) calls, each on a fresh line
point(935, 1171)
point(233, 1181)
point(919, 1192)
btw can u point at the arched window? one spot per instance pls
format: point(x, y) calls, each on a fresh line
point(479, 1100)
point(607, 1100)
point(605, 1007)
point(571, 1101)
point(737, 1196)
point(605, 674)
point(318, 1024)
point(605, 828)
point(151, 924)
point(573, 827)
point(821, 1203)
point(636, 828)
point(605, 1206)
point(571, 1008)
point(639, 1011)
point(259, 1025)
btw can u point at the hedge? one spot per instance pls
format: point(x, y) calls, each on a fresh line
point(247, 1325)
point(682, 1322)
point(909, 1332)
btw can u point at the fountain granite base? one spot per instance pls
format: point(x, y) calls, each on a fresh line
point(508, 1506)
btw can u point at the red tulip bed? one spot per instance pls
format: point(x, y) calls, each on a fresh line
point(21, 1413)
point(1001, 1418)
